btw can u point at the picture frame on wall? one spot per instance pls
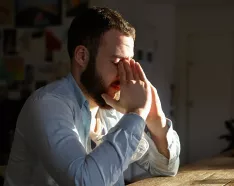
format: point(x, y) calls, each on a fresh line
point(75, 7)
point(38, 13)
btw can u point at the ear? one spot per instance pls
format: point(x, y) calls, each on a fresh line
point(81, 56)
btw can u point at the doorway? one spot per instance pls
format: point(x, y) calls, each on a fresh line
point(209, 92)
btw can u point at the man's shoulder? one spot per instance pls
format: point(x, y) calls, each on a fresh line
point(58, 90)
point(55, 95)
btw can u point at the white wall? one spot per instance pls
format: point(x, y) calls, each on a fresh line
point(194, 19)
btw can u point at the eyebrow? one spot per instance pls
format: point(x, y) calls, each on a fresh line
point(119, 56)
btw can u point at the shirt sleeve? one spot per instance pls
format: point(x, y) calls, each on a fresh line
point(157, 164)
point(54, 139)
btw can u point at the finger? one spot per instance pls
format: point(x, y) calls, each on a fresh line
point(154, 90)
point(109, 101)
point(135, 71)
point(122, 73)
point(128, 70)
point(141, 73)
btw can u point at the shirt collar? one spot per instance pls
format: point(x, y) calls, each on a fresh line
point(82, 101)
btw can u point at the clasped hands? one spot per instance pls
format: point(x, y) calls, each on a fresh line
point(138, 95)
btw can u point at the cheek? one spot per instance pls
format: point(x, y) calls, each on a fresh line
point(108, 74)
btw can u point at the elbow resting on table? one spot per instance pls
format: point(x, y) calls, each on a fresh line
point(173, 171)
point(172, 168)
point(169, 169)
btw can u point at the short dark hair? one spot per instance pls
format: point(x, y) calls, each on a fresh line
point(87, 28)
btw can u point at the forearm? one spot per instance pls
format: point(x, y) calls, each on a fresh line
point(155, 162)
point(119, 144)
point(58, 145)
point(162, 144)
point(158, 131)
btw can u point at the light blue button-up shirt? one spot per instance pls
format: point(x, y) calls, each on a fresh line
point(52, 145)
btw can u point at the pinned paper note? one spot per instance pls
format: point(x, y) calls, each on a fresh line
point(52, 42)
point(24, 40)
point(14, 68)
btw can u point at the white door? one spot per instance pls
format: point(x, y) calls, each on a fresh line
point(210, 58)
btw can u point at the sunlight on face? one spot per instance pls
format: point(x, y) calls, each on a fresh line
point(114, 47)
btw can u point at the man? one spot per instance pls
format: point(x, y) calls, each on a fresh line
point(80, 130)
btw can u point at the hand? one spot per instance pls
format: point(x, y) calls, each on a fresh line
point(156, 111)
point(135, 93)
point(156, 120)
point(156, 123)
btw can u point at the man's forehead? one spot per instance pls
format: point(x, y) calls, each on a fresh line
point(123, 51)
point(118, 43)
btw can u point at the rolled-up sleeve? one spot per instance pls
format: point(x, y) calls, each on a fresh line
point(54, 138)
point(157, 164)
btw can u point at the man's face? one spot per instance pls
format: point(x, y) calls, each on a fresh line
point(101, 75)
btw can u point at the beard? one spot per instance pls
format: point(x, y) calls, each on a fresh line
point(94, 84)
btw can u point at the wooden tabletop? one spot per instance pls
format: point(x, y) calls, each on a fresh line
point(215, 171)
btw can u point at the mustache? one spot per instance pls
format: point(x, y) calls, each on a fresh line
point(116, 82)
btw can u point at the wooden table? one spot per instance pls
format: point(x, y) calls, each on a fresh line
point(215, 171)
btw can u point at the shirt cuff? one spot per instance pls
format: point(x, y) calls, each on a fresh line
point(171, 137)
point(170, 140)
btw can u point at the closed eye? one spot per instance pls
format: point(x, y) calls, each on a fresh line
point(116, 61)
